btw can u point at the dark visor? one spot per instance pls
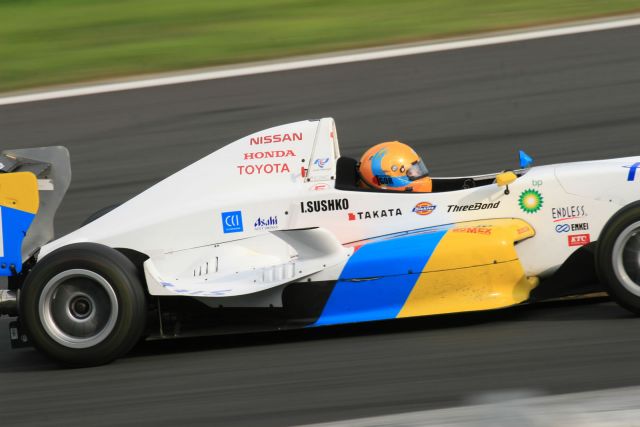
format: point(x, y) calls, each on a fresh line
point(417, 170)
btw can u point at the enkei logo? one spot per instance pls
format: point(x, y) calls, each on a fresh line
point(232, 222)
point(565, 228)
point(278, 137)
point(579, 239)
point(321, 163)
point(424, 208)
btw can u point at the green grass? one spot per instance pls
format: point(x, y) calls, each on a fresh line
point(44, 42)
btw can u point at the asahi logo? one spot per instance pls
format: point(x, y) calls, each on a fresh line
point(382, 213)
point(269, 154)
point(264, 223)
point(324, 205)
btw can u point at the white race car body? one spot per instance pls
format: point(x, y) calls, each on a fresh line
point(273, 231)
point(236, 227)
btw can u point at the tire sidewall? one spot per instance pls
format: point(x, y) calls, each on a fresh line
point(121, 275)
point(604, 257)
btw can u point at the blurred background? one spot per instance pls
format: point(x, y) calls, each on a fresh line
point(466, 111)
point(45, 42)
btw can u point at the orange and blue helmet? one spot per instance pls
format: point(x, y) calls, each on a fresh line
point(394, 166)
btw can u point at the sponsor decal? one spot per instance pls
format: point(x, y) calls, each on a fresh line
point(320, 187)
point(632, 171)
point(383, 179)
point(474, 207)
point(278, 137)
point(481, 229)
point(265, 169)
point(382, 213)
point(270, 223)
point(579, 239)
point(258, 155)
point(522, 230)
point(324, 205)
point(530, 201)
point(567, 213)
point(321, 163)
point(565, 228)
point(424, 208)
point(232, 222)
point(536, 182)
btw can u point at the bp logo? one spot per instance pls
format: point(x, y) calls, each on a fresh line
point(530, 201)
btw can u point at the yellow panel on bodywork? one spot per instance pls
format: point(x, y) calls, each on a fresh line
point(477, 243)
point(19, 190)
point(474, 267)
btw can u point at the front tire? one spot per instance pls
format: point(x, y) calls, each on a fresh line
point(83, 305)
point(618, 257)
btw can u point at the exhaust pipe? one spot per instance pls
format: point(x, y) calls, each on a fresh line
point(8, 303)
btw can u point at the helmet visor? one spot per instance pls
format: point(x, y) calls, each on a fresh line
point(417, 170)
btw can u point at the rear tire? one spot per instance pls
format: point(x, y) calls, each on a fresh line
point(83, 305)
point(618, 257)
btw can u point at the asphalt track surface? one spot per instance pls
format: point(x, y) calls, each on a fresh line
point(468, 111)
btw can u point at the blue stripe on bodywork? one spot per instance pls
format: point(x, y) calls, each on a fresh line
point(15, 224)
point(392, 268)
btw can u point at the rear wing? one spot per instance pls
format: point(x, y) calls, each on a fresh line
point(33, 182)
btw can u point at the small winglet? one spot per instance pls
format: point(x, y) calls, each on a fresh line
point(525, 160)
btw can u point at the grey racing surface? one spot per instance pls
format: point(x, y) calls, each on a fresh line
point(467, 112)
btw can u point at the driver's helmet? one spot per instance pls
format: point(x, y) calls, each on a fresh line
point(394, 166)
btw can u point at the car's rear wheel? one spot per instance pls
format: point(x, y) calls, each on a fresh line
point(618, 257)
point(83, 305)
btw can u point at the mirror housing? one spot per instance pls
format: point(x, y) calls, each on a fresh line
point(505, 178)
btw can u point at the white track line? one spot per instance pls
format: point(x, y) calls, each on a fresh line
point(602, 408)
point(332, 59)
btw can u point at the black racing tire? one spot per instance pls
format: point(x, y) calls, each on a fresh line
point(67, 305)
point(99, 213)
point(617, 257)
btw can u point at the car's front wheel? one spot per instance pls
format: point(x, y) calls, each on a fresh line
point(83, 305)
point(618, 257)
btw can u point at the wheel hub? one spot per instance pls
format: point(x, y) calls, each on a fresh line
point(78, 308)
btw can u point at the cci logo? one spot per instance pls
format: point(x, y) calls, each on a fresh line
point(321, 163)
point(232, 222)
point(632, 171)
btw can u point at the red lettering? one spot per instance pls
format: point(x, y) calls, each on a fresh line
point(269, 154)
point(267, 168)
point(269, 139)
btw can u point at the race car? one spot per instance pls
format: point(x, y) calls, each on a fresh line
point(273, 232)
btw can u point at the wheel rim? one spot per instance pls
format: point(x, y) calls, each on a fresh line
point(78, 308)
point(626, 258)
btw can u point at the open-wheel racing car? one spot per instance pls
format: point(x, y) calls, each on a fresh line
point(293, 242)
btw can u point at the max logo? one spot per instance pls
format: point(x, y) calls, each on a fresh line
point(632, 171)
point(321, 163)
point(232, 222)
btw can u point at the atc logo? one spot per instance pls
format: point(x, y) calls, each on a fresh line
point(232, 222)
point(579, 239)
point(424, 208)
point(632, 171)
point(321, 163)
